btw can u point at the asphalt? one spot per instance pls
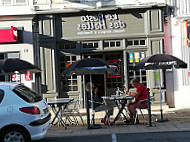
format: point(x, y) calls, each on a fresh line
point(178, 120)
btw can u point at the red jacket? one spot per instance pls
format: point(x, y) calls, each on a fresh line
point(141, 88)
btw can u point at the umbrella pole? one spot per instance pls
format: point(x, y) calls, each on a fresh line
point(86, 103)
point(92, 106)
point(92, 100)
point(161, 110)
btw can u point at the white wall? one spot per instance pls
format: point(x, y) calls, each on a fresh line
point(181, 93)
point(182, 98)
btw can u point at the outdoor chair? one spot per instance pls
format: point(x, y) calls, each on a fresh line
point(72, 112)
point(105, 106)
point(141, 110)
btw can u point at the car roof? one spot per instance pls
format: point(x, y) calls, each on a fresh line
point(10, 84)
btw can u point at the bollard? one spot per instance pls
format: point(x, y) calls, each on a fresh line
point(149, 108)
point(87, 112)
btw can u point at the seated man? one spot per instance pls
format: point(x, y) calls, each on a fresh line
point(140, 94)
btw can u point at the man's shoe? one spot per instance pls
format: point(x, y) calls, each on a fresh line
point(130, 122)
point(127, 121)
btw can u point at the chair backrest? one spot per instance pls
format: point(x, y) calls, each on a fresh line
point(74, 105)
point(110, 103)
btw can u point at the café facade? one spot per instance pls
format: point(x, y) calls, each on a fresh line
point(123, 36)
point(54, 39)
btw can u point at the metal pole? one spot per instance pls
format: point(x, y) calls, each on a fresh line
point(92, 100)
point(125, 70)
point(87, 111)
point(161, 111)
point(149, 108)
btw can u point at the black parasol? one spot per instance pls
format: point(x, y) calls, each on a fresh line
point(160, 61)
point(11, 65)
point(89, 66)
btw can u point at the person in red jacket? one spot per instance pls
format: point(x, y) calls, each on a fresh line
point(139, 95)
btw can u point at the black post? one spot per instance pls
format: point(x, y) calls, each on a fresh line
point(87, 111)
point(149, 108)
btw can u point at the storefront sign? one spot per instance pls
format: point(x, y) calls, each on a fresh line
point(15, 77)
point(8, 35)
point(28, 75)
point(102, 25)
point(96, 23)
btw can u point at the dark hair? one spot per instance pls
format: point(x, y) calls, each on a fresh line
point(134, 80)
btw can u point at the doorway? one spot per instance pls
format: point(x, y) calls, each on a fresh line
point(98, 81)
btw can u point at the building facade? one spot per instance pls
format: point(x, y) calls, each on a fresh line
point(178, 45)
point(123, 36)
point(52, 39)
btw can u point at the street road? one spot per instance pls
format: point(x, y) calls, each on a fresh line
point(134, 137)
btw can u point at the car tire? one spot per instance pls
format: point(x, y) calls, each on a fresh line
point(14, 135)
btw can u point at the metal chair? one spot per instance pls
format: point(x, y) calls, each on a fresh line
point(72, 111)
point(106, 106)
point(140, 110)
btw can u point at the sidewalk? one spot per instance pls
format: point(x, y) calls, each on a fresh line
point(179, 120)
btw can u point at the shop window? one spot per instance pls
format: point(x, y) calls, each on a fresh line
point(85, 45)
point(130, 42)
point(142, 42)
point(118, 43)
point(106, 44)
point(136, 42)
point(112, 43)
point(96, 45)
point(90, 45)
point(68, 46)
point(68, 83)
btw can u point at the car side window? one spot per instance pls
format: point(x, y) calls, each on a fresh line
point(1, 95)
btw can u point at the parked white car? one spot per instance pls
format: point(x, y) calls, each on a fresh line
point(24, 115)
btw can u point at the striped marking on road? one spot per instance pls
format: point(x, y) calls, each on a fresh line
point(114, 138)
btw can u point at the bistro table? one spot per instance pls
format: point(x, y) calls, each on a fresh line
point(61, 104)
point(123, 99)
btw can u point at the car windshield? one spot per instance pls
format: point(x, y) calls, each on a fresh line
point(27, 94)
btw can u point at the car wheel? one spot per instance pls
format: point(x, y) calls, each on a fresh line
point(15, 135)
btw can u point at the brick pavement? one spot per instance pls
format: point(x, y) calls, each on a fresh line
point(179, 120)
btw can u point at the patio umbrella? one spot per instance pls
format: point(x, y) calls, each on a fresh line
point(11, 65)
point(160, 61)
point(89, 66)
